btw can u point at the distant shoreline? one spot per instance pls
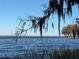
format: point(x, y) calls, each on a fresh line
point(30, 36)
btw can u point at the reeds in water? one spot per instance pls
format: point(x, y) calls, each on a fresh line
point(53, 54)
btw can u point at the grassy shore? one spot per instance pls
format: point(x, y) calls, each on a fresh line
point(56, 54)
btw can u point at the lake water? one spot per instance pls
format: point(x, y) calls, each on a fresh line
point(9, 47)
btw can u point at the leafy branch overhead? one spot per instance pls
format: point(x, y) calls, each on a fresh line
point(35, 22)
point(61, 7)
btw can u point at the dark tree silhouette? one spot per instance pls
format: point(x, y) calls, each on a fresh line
point(41, 22)
point(55, 6)
point(58, 7)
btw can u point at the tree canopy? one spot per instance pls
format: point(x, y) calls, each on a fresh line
point(61, 7)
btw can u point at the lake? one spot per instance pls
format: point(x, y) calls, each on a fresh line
point(9, 47)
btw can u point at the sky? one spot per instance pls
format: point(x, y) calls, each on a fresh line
point(11, 9)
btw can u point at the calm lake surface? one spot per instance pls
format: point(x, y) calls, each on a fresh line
point(9, 47)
